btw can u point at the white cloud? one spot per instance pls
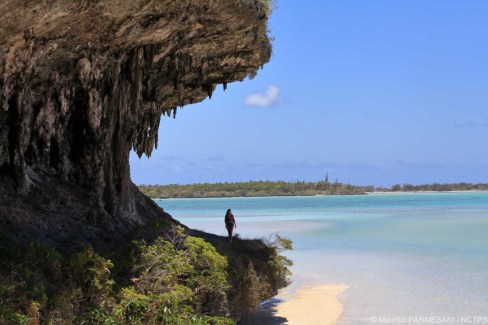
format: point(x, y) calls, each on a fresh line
point(269, 98)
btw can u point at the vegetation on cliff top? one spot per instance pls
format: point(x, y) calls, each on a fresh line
point(177, 279)
point(281, 188)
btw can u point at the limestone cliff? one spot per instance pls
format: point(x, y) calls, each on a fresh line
point(84, 82)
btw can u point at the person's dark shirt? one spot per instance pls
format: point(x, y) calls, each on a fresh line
point(229, 219)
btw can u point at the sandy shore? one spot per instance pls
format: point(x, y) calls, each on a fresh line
point(311, 306)
point(316, 305)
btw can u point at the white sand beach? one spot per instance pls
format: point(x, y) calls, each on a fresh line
point(316, 305)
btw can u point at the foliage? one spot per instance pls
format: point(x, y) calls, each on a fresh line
point(185, 272)
point(257, 278)
point(91, 275)
point(278, 263)
point(280, 188)
point(175, 280)
point(253, 188)
point(436, 187)
point(253, 289)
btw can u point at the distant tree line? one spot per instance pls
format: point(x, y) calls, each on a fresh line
point(437, 187)
point(281, 188)
point(252, 188)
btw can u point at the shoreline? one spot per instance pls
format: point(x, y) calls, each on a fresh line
point(413, 192)
point(309, 305)
point(311, 195)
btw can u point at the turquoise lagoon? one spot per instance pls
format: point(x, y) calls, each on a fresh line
point(402, 255)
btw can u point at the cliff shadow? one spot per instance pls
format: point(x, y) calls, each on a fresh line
point(267, 315)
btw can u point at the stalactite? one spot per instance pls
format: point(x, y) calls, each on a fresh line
point(181, 95)
point(168, 111)
point(209, 89)
point(225, 86)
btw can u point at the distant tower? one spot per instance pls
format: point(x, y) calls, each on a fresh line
point(327, 177)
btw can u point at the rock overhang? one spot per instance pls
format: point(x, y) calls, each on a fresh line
point(84, 82)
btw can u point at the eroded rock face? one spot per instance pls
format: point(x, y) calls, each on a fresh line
point(84, 82)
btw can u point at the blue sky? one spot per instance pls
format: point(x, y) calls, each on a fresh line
point(373, 91)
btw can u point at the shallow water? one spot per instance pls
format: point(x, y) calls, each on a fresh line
point(403, 255)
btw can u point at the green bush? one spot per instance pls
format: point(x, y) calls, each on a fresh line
point(182, 276)
point(177, 279)
point(278, 264)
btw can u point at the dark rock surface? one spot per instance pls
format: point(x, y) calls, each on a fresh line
point(82, 83)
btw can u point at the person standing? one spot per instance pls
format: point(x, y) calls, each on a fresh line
point(230, 223)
